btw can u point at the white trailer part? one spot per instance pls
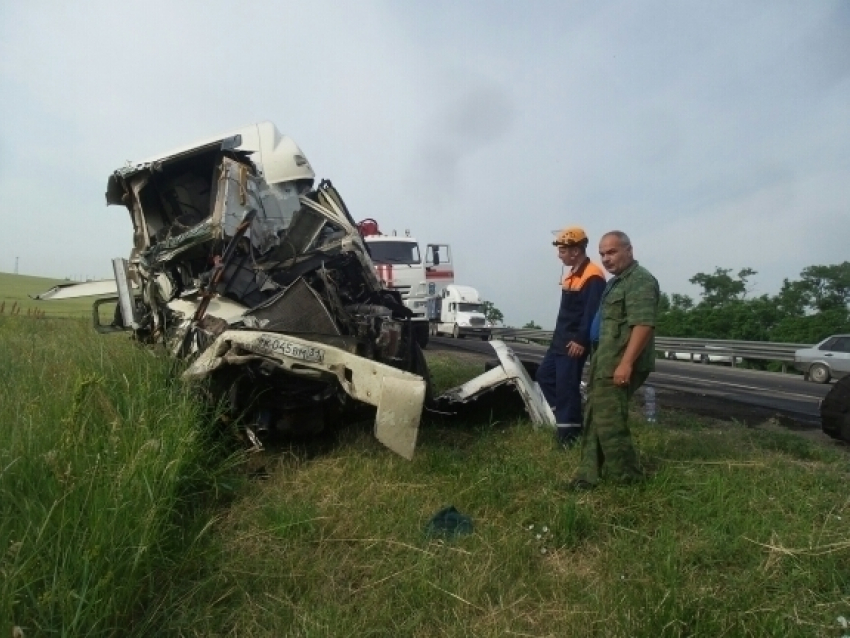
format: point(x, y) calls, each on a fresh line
point(459, 311)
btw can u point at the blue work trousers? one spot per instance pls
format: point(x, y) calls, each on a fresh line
point(559, 377)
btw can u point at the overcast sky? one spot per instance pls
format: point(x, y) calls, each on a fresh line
point(714, 133)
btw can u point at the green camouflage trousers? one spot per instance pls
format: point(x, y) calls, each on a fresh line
point(606, 440)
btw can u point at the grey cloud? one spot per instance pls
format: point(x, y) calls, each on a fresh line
point(465, 125)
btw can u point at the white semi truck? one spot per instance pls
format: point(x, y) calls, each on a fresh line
point(459, 311)
point(400, 266)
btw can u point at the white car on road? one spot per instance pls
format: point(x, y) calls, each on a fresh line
point(829, 359)
point(701, 357)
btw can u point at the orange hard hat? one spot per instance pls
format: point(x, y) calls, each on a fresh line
point(570, 237)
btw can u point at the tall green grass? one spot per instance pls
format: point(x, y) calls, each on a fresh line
point(106, 466)
point(110, 523)
point(737, 532)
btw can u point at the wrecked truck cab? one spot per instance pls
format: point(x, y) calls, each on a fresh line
point(259, 279)
point(244, 268)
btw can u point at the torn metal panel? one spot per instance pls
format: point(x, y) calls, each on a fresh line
point(126, 300)
point(399, 411)
point(240, 190)
point(226, 309)
point(174, 246)
point(297, 309)
point(75, 290)
point(302, 233)
point(509, 372)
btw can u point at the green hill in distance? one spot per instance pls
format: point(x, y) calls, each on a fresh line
point(15, 291)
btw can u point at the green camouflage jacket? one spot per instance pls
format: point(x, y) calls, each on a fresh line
point(631, 299)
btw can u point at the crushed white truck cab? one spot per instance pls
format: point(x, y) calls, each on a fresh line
point(261, 281)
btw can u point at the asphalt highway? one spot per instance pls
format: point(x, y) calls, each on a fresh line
point(784, 393)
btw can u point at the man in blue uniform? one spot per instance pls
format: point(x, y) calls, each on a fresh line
point(560, 372)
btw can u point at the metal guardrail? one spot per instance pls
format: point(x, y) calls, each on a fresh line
point(700, 348)
point(521, 333)
point(763, 350)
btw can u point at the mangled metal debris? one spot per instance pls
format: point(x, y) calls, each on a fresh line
point(317, 371)
point(263, 283)
point(508, 374)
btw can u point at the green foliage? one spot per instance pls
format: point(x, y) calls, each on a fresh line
point(493, 314)
point(828, 287)
point(109, 525)
point(803, 311)
point(531, 325)
point(719, 288)
point(104, 467)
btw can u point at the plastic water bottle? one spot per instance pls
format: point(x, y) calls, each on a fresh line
point(649, 403)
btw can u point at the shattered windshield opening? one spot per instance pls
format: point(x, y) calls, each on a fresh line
point(394, 252)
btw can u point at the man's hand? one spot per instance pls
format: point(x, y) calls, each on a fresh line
point(623, 374)
point(575, 349)
point(638, 339)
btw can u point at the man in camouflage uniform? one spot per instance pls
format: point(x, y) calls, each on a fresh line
point(623, 358)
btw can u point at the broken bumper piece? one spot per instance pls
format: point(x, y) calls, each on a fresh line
point(509, 374)
point(398, 395)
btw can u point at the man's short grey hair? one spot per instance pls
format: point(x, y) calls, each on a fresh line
point(619, 234)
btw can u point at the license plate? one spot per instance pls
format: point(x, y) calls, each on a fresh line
point(291, 349)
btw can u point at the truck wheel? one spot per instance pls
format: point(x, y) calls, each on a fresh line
point(420, 367)
point(420, 331)
point(819, 373)
point(485, 337)
point(835, 411)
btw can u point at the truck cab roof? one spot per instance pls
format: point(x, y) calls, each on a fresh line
point(380, 238)
point(276, 156)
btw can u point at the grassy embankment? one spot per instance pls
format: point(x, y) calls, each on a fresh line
point(109, 525)
point(105, 469)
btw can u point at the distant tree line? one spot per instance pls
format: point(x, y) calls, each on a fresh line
point(491, 313)
point(804, 310)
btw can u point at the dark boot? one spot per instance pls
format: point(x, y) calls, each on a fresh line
point(567, 435)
